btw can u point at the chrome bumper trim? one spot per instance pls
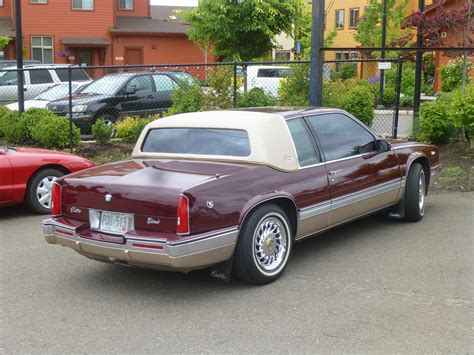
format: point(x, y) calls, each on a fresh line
point(202, 251)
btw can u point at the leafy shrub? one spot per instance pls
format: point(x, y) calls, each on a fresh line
point(187, 98)
point(462, 110)
point(389, 96)
point(101, 132)
point(335, 92)
point(346, 71)
point(220, 80)
point(129, 128)
point(451, 74)
point(3, 121)
point(361, 103)
point(53, 132)
point(11, 127)
point(436, 125)
point(406, 100)
point(29, 119)
point(294, 89)
point(255, 98)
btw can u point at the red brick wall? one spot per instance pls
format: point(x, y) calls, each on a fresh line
point(57, 19)
point(140, 8)
point(162, 50)
point(6, 9)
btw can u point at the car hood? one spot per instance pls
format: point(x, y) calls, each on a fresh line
point(79, 99)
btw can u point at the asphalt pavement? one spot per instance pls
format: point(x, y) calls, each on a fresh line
point(375, 286)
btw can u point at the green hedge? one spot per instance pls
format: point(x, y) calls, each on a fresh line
point(129, 128)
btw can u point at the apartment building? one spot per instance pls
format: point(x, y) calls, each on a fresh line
point(98, 32)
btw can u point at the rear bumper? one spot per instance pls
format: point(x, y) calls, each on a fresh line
point(201, 251)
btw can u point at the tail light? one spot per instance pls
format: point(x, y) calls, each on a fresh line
point(56, 199)
point(182, 222)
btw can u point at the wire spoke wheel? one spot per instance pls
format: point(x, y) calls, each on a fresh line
point(270, 241)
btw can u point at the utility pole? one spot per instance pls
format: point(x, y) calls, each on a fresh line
point(382, 54)
point(419, 64)
point(317, 42)
point(19, 57)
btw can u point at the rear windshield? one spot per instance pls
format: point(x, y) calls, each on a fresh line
point(77, 74)
point(273, 73)
point(204, 141)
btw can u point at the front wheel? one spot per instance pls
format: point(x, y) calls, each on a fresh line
point(264, 245)
point(415, 193)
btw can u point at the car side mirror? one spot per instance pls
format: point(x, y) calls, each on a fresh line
point(383, 145)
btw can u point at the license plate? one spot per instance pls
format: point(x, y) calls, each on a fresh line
point(111, 222)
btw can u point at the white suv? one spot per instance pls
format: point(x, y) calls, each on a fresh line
point(37, 78)
point(266, 77)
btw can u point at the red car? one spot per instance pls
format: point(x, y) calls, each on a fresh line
point(27, 175)
point(235, 189)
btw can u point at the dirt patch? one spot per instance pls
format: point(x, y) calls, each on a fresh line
point(105, 153)
point(458, 168)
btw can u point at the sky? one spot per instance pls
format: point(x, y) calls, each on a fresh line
point(174, 2)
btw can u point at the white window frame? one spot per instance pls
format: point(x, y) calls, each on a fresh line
point(2, 3)
point(336, 19)
point(125, 8)
point(82, 6)
point(43, 47)
point(34, 2)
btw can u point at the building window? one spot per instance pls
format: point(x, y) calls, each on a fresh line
point(42, 49)
point(38, 1)
point(125, 4)
point(83, 4)
point(353, 17)
point(1, 3)
point(282, 56)
point(339, 18)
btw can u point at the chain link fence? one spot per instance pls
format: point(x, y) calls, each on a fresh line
point(83, 95)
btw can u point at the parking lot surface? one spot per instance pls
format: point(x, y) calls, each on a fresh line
point(375, 285)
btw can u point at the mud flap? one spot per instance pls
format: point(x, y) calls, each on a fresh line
point(223, 271)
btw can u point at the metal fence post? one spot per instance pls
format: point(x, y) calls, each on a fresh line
point(69, 73)
point(397, 98)
point(235, 84)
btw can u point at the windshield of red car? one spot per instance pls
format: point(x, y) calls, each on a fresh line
point(201, 141)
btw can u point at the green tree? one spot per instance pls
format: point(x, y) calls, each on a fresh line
point(240, 29)
point(4, 40)
point(369, 28)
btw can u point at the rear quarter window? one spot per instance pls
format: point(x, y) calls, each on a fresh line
point(201, 141)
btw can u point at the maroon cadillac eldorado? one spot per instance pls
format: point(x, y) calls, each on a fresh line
point(233, 190)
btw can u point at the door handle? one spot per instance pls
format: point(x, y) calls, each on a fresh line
point(335, 172)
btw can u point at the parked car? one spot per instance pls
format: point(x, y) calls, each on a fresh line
point(266, 77)
point(27, 175)
point(10, 63)
point(115, 95)
point(236, 189)
point(53, 93)
point(37, 78)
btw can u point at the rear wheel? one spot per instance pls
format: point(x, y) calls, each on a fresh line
point(415, 193)
point(264, 245)
point(38, 193)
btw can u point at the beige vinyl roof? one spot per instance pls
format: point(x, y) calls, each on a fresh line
point(270, 140)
